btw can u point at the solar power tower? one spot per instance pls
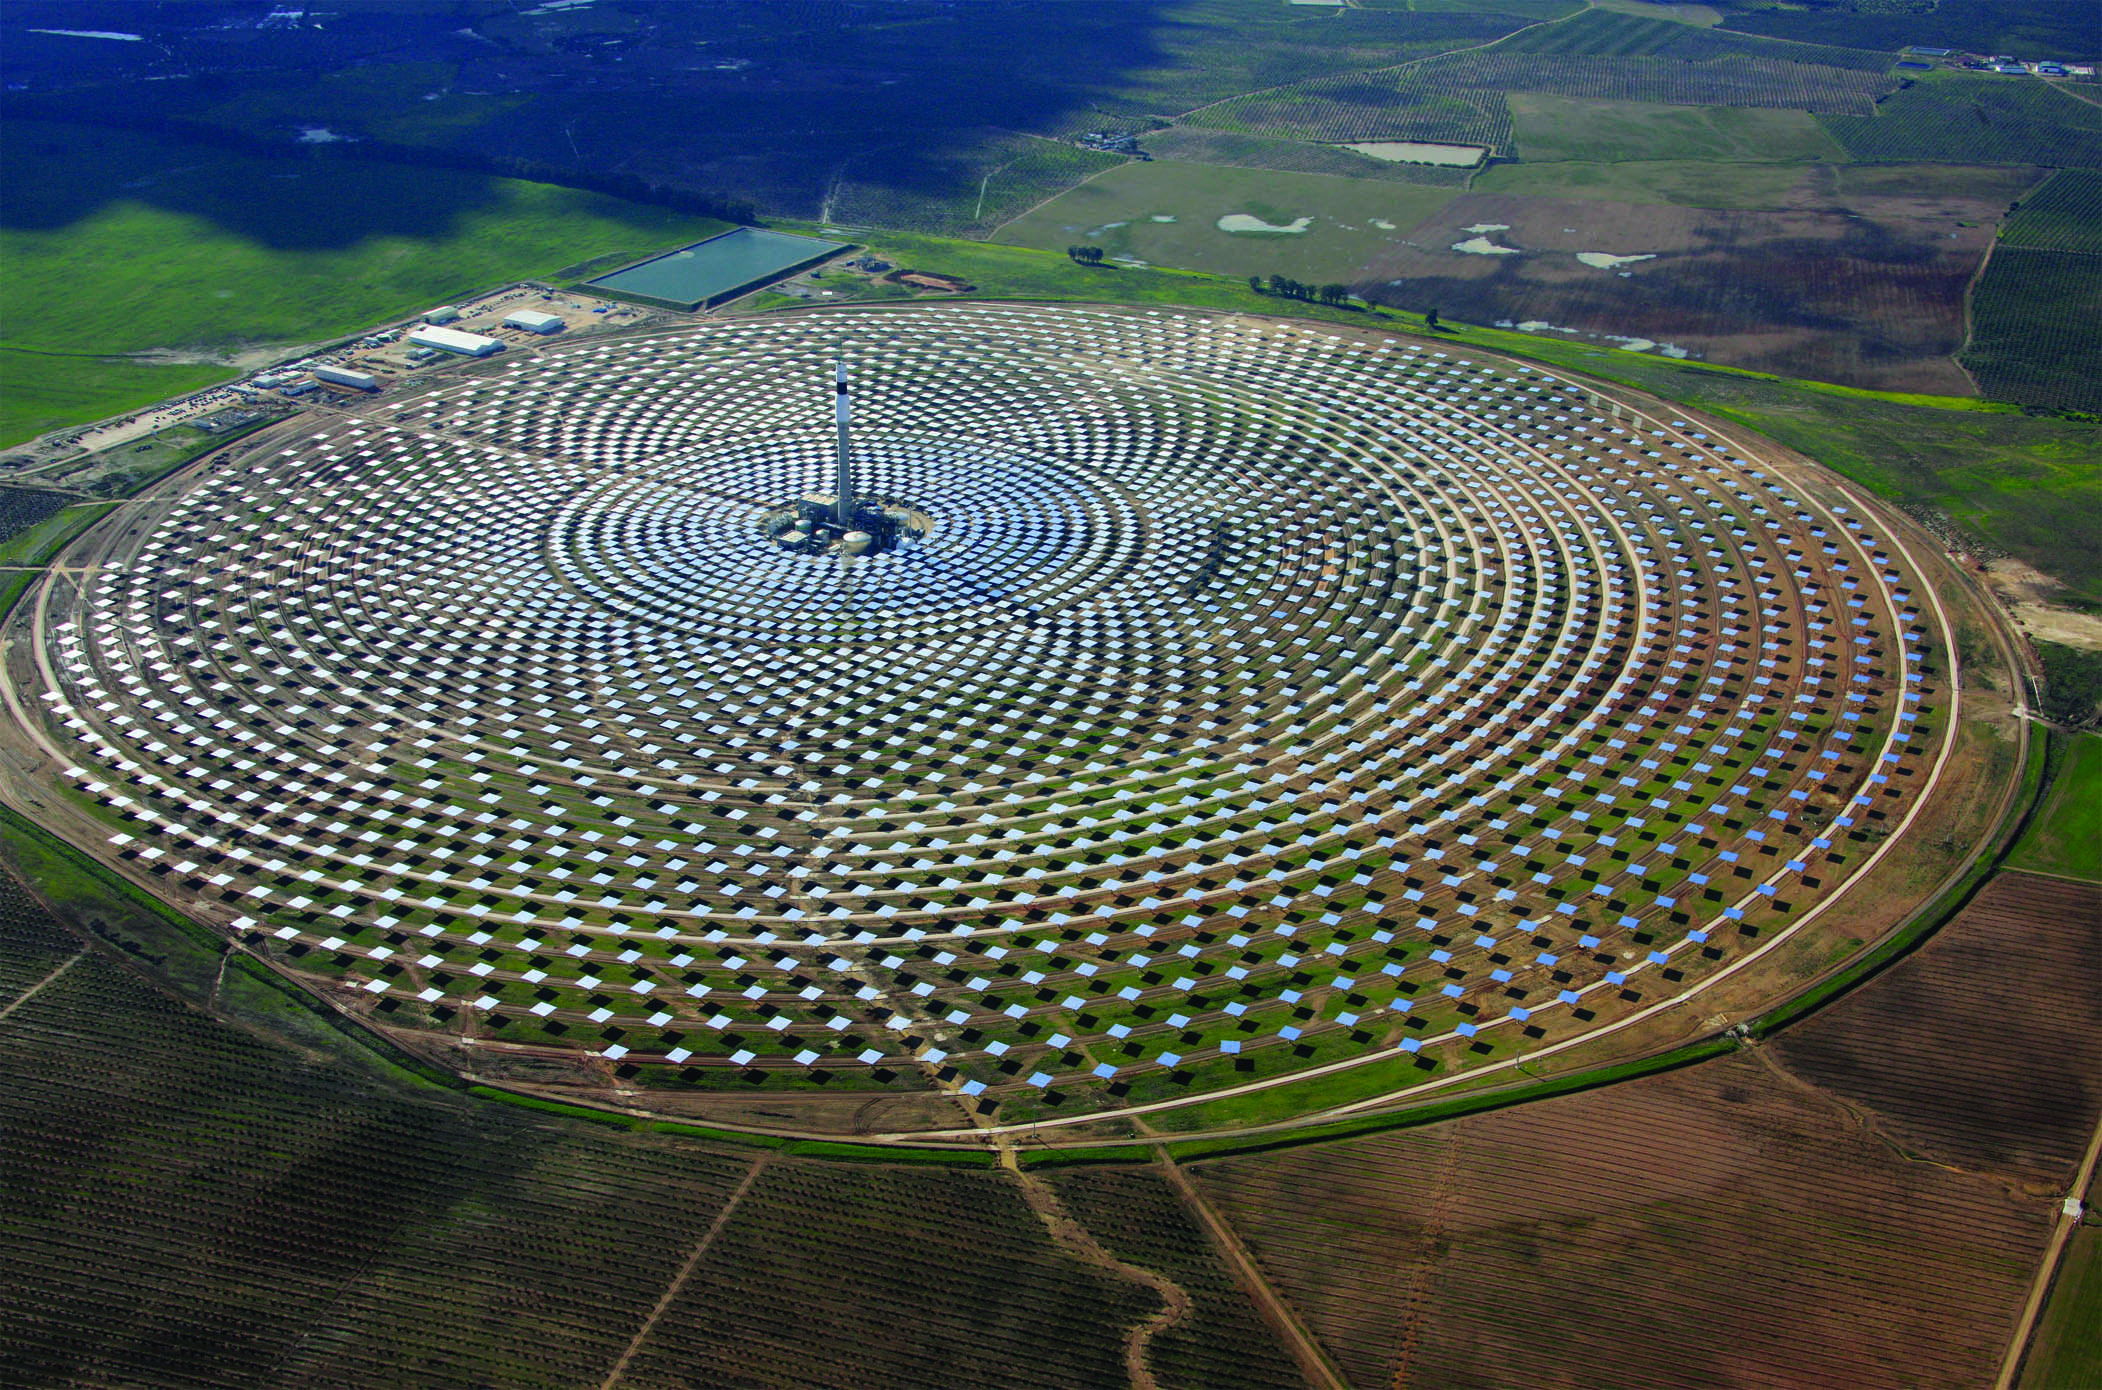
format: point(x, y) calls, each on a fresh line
point(843, 508)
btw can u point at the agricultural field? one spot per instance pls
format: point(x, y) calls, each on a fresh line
point(1905, 1051)
point(2065, 214)
point(1547, 129)
point(1311, 227)
point(1760, 289)
point(2067, 1349)
point(1607, 33)
point(2042, 28)
point(22, 508)
point(2033, 337)
point(968, 189)
point(2066, 836)
point(1661, 183)
point(1804, 1249)
point(1189, 144)
point(1781, 1187)
point(1461, 99)
point(367, 1228)
point(1968, 118)
point(153, 262)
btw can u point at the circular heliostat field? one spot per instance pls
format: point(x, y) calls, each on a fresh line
point(1252, 700)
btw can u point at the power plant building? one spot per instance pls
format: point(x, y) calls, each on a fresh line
point(533, 321)
point(346, 376)
point(453, 340)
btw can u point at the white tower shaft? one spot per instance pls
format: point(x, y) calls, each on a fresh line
point(843, 509)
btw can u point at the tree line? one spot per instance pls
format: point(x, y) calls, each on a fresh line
point(1285, 287)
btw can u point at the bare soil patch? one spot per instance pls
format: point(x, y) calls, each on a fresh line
point(2030, 597)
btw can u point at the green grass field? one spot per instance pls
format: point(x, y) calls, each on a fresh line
point(1549, 128)
point(1120, 212)
point(116, 243)
point(2066, 837)
point(1656, 182)
point(43, 390)
point(2029, 485)
point(37, 544)
point(2067, 1350)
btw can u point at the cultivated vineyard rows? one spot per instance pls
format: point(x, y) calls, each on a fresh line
point(23, 507)
point(1460, 99)
point(2063, 215)
point(1985, 1050)
point(191, 1204)
point(1607, 33)
point(1711, 1227)
point(1974, 121)
point(932, 1276)
point(1222, 1343)
point(2033, 318)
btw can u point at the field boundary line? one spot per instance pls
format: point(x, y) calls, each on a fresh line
point(1306, 1349)
point(2047, 1268)
point(988, 237)
point(2055, 878)
point(1391, 67)
point(678, 1282)
point(28, 994)
point(1970, 298)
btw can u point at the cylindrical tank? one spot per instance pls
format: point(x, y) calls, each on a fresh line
point(855, 543)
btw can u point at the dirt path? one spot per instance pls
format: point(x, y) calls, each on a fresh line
point(1313, 1361)
point(1072, 1236)
point(678, 1281)
point(28, 994)
point(2047, 1268)
point(1391, 67)
point(1417, 1305)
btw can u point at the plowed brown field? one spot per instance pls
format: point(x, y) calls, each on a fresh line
point(1716, 1227)
point(1859, 1203)
point(1868, 291)
point(1985, 1049)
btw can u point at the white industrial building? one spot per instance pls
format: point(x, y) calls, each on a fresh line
point(444, 313)
point(453, 340)
point(348, 376)
point(533, 321)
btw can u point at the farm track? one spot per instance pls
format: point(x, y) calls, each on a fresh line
point(1074, 1236)
point(1313, 1360)
point(2047, 1268)
point(684, 1272)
